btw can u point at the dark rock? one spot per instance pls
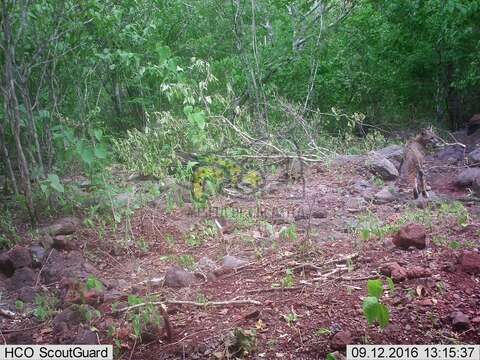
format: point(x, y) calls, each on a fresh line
point(176, 277)
point(451, 154)
point(470, 262)
point(6, 266)
point(411, 235)
point(460, 321)
point(467, 177)
point(232, 262)
point(340, 340)
point(27, 294)
point(206, 264)
point(392, 152)
point(474, 157)
point(384, 196)
point(381, 167)
point(85, 337)
point(67, 316)
point(20, 338)
point(20, 257)
point(22, 277)
point(38, 255)
point(64, 226)
point(66, 264)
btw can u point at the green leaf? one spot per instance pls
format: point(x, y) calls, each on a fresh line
point(134, 300)
point(370, 308)
point(199, 119)
point(100, 152)
point(163, 53)
point(55, 183)
point(330, 357)
point(187, 110)
point(98, 133)
point(383, 315)
point(94, 283)
point(375, 288)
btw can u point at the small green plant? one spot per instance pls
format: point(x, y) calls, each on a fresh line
point(144, 318)
point(201, 298)
point(378, 182)
point(19, 305)
point(291, 318)
point(288, 280)
point(373, 309)
point(94, 283)
point(187, 261)
point(323, 332)
point(289, 233)
point(391, 286)
point(240, 343)
point(45, 306)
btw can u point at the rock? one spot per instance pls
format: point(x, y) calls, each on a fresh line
point(38, 255)
point(6, 266)
point(467, 177)
point(354, 204)
point(46, 241)
point(206, 264)
point(68, 316)
point(416, 272)
point(474, 157)
point(22, 277)
point(470, 262)
point(340, 340)
point(476, 186)
point(460, 321)
point(411, 235)
point(66, 264)
point(64, 226)
point(21, 338)
point(85, 337)
point(27, 294)
point(450, 155)
point(304, 213)
point(392, 152)
point(232, 262)
point(19, 257)
point(384, 196)
point(64, 242)
point(395, 271)
point(381, 167)
point(348, 159)
point(176, 277)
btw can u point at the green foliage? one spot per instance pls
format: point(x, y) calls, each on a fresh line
point(45, 306)
point(240, 343)
point(94, 283)
point(288, 280)
point(372, 308)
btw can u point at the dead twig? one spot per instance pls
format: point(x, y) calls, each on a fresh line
point(342, 260)
point(41, 269)
point(295, 288)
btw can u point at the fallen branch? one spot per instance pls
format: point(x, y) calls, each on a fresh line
point(193, 303)
point(341, 260)
point(295, 288)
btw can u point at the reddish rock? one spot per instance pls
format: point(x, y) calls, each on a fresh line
point(470, 262)
point(411, 235)
point(418, 272)
point(395, 271)
point(460, 321)
point(340, 340)
point(20, 257)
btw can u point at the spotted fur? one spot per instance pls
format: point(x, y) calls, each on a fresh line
point(412, 173)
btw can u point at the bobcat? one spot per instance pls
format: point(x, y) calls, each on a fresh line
point(411, 168)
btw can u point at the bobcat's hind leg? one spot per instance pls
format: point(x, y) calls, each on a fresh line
point(415, 189)
point(423, 183)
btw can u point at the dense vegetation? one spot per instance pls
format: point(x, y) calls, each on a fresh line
point(152, 82)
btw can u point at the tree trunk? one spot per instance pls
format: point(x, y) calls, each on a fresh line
point(13, 112)
point(6, 159)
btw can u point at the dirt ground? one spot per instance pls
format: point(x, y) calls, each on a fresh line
point(307, 255)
